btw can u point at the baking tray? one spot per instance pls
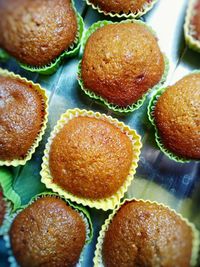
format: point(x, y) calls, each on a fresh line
point(157, 178)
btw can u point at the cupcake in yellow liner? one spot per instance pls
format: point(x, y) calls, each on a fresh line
point(148, 234)
point(123, 9)
point(90, 158)
point(23, 115)
point(192, 25)
point(37, 229)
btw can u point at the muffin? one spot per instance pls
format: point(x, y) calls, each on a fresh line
point(121, 62)
point(176, 117)
point(22, 112)
point(35, 32)
point(2, 208)
point(147, 234)
point(122, 6)
point(90, 158)
point(48, 233)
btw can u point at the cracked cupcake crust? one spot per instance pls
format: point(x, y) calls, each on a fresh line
point(121, 6)
point(117, 63)
point(90, 158)
point(35, 32)
point(22, 114)
point(48, 233)
point(177, 117)
point(147, 234)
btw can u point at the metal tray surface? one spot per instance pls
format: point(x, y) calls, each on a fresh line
point(157, 178)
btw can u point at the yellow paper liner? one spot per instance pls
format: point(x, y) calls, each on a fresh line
point(106, 203)
point(190, 40)
point(146, 8)
point(82, 212)
point(42, 92)
point(98, 260)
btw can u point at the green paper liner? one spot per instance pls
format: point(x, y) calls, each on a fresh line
point(31, 151)
point(146, 8)
point(12, 200)
point(98, 260)
point(150, 112)
point(115, 108)
point(53, 66)
point(81, 210)
point(103, 203)
point(190, 40)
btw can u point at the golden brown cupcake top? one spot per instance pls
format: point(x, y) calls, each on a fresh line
point(195, 21)
point(2, 208)
point(21, 117)
point(37, 31)
point(177, 117)
point(48, 233)
point(145, 234)
point(121, 6)
point(90, 158)
point(121, 62)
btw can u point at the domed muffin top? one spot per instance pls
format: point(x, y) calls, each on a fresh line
point(146, 234)
point(90, 158)
point(21, 117)
point(177, 117)
point(121, 62)
point(121, 6)
point(48, 233)
point(37, 31)
point(2, 208)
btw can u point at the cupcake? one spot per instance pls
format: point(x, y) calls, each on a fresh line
point(90, 158)
point(142, 233)
point(192, 25)
point(48, 233)
point(23, 118)
point(117, 63)
point(176, 117)
point(37, 32)
point(122, 8)
point(2, 208)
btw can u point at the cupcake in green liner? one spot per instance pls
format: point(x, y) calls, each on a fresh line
point(45, 32)
point(144, 233)
point(122, 8)
point(174, 112)
point(49, 231)
point(192, 25)
point(9, 200)
point(121, 63)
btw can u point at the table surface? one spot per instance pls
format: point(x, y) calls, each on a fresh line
point(157, 178)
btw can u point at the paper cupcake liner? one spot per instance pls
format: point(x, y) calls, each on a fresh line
point(53, 66)
point(146, 8)
point(106, 203)
point(151, 108)
point(188, 29)
point(3, 55)
point(17, 162)
point(82, 211)
point(102, 100)
point(98, 260)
